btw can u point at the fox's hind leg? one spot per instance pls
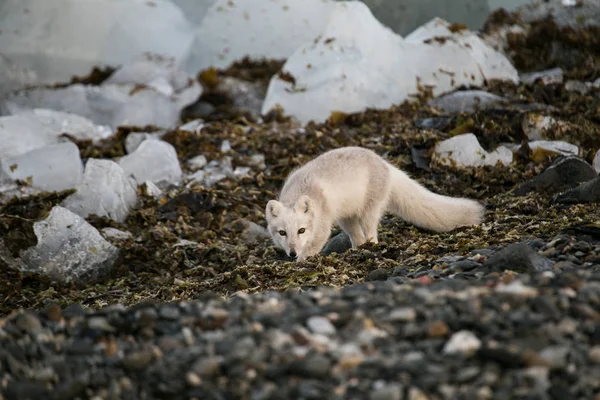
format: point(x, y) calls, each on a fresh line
point(352, 227)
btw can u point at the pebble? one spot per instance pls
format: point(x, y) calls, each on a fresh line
point(320, 325)
point(464, 342)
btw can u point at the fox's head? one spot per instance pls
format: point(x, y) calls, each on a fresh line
point(291, 227)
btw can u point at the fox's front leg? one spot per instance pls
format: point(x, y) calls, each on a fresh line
point(316, 245)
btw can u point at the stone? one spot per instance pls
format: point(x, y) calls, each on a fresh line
point(338, 244)
point(554, 146)
point(68, 249)
point(320, 325)
point(55, 167)
point(596, 162)
point(518, 257)
point(587, 13)
point(155, 161)
point(134, 139)
point(464, 342)
point(105, 191)
point(562, 174)
point(468, 101)
point(112, 105)
point(465, 151)
point(115, 234)
point(547, 77)
point(517, 288)
point(245, 96)
point(587, 192)
point(256, 29)
point(392, 391)
point(89, 34)
point(254, 232)
point(358, 63)
point(536, 127)
point(37, 128)
point(578, 86)
point(194, 126)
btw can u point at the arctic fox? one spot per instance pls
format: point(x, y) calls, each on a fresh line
point(354, 187)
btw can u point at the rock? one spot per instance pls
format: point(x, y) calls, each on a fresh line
point(254, 232)
point(588, 192)
point(518, 257)
point(596, 162)
point(68, 249)
point(338, 244)
point(404, 314)
point(586, 13)
point(536, 127)
point(161, 74)
point(155, 161)
point(357, 63)
point(467, 101)
point(556, 356)
point(594, 354)
point(465, 151)
point(392, 391)
point(89, 34)
point(320, 325)
point(253, 28)
point(517, 288)
point(554, 146)
point(105, 191)
point(55, 167)
point(379, 274)
point(547, 77)
point(578, 86)
point(14, 77)
point(464, 342)
point(564, 173)
point(34, 129)
point(115, 234)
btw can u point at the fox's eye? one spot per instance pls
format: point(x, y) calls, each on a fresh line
point(282, 233)
point(301, 231)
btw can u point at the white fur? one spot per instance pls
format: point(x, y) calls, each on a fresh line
point(353, 187)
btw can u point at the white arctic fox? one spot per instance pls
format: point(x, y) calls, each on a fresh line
point(354, 187)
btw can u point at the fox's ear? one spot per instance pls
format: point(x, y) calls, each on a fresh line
point(304, 204)
point(273, 208)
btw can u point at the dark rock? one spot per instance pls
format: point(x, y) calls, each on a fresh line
point(518, 257)
point(379, 274)
point(338, 244)
point(588, 192)
point(438, 123)
point(564, 173)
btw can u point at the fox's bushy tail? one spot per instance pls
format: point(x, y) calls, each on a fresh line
point(425, 209)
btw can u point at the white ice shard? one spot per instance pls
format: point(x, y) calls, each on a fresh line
point(105, 191)
point(68, 249)
point(232, 30)
point(61, 38)
point(465, 151)
point(155, 161)
point(52, 168)
point(357, 63)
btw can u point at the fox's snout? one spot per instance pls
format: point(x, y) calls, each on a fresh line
point(293, 253)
